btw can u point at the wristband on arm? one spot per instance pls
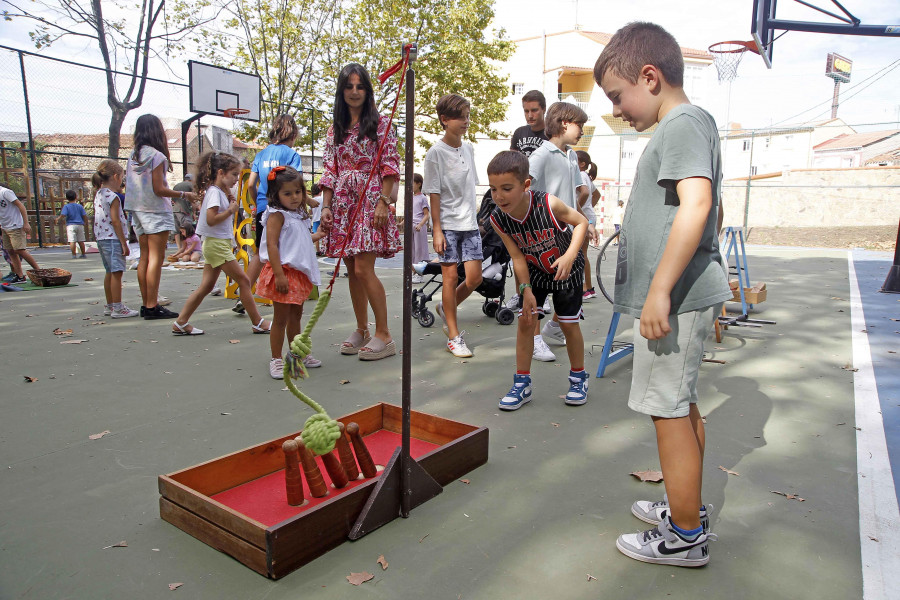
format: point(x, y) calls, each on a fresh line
point(522, 287)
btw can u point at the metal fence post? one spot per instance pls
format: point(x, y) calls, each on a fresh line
point(34, 181)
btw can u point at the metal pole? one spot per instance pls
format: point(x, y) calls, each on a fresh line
point(834, 98)
point(34, 181)
point(409, 157)
point(185, 126)
point(749, 177)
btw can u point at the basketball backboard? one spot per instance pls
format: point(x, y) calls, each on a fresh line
point(215, 89)
point(763, 34)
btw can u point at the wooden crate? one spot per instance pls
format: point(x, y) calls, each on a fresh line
point(186, 496)
point(753, 295)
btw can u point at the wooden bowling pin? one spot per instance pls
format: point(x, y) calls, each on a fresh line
point(346, 454)
point(293, 481)
point(335, 470)
point(314, 480)
point(366, 464)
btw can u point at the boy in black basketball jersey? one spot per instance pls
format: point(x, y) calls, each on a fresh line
point(547, 259)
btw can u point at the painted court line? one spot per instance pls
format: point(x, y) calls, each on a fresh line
point(879, 520)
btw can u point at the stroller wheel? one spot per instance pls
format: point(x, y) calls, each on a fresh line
point(490, 308)
point(505, 316)
point(426, 318)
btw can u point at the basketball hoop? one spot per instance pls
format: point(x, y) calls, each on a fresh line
point(235, 114)
point(727, 56)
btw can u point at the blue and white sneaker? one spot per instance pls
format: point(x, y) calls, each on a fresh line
point(518, 394)
point(578, 388)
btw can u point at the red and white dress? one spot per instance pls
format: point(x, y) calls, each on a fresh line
point(347, 168)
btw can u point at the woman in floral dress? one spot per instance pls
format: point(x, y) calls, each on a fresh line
point(350, 150)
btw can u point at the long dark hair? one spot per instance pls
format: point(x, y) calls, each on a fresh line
point(368, 120)
point(149, 131)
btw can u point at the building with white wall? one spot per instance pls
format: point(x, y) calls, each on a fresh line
point(855, 149)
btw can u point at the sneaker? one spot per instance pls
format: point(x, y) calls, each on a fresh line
point(159, 312)
point(162, 301)
point(107, 309)
point(238, 307)
point(133, 266)
point(662, 546)
point(655, 512)
point(123, 312)
point(457, 346)
point(416, 278)
point(553, 333)
point(18, 279)
point(578, 388)
point(8, 277)
point(312, 362)
point(589, 293)
point(518, 394)
point(276, 368)
point(513, 302)
point(439, 309)
point(143, 311)
point(548, 310)
point(542, 351)
point(216, 291)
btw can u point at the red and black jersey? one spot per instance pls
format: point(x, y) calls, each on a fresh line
point(542, 239)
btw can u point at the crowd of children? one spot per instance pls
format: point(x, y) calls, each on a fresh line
point(669, 275)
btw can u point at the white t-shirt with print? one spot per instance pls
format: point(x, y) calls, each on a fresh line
point(451, 173)
point(224, 230)
point(103, 227)
point(10, 215)
point(139, 193)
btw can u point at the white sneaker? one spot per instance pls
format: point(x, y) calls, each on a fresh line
point(513, 302)
point(542, 351)
point(311, 362)
point(276, 368)
point(163, 301)
point(107, 309)
point(553, 333)
point(216, 291)
point(548, 310)
point(416, 278)
point(124, 312)
point(457, 346)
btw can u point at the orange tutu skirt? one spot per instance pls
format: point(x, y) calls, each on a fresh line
point(299, 285)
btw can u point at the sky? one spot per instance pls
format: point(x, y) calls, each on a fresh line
point(760, 97)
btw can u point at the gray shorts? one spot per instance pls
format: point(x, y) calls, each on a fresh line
point(665, 371)
point(148, 223)
point(111, 255)
point(462, 246)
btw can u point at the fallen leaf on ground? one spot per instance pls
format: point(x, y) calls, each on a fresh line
point(85, 318)
point(359, 578)
point(234, 341)
point(88, 278)
point(381, 561)
point(729, 472)
point(175, 586)
point(73, 342)
point(465, 481)
point(26, 316)
point(839, 424)
point(344, 381)
point(651, 476)
point(423, 537)
point(788, 496)
point(849, 367)
point(29, 379)
point(589, 577)
point(97, 436)
point(554, 424)
point(121, 544)
point(59, 331)
point(873, 538)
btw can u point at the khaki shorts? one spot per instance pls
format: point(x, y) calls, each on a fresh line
point(75, 233)
point(14, 239)
point(665, 371)
point(216, 251)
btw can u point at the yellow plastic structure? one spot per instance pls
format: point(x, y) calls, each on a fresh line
point(246, 246)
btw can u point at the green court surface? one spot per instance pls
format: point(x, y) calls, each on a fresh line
point(539, 520)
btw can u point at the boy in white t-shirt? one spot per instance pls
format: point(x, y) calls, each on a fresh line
point(450, 181)
point(14, 222)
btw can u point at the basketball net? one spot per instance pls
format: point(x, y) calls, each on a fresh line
point(727, 57)
point(235, 115)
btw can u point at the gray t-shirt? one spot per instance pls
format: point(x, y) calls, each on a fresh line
point(685, 144)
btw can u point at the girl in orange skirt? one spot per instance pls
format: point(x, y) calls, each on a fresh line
point(290, 268)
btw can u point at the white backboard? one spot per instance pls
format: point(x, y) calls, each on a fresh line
point(213, 89)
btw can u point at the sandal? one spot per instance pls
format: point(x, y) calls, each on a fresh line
point(356, 341)
point(376, 349)
point(258, 328)
point(183, 331)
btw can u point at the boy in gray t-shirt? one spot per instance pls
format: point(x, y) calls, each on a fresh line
point(669, 275)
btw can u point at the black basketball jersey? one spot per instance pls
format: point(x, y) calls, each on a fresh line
point(542, 239)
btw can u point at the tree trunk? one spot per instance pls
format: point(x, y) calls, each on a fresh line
point(115, 129)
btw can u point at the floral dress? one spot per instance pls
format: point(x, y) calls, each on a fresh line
point(347, 168)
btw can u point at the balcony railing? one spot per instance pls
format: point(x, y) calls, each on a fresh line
point(580, 99)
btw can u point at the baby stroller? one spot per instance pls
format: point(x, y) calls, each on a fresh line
point(494, 271)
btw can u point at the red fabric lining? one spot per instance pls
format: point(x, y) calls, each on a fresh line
point(265, 499)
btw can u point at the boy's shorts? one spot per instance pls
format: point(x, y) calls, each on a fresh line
point(665, 371)
point(14, 239)
point(75, 233)
point(148, 223)
point(216, 251)
point(111, 255)
point(462, 246)
point(566, 303)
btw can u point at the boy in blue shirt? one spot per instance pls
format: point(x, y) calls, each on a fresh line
point(74, 214)
point(669, 276)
